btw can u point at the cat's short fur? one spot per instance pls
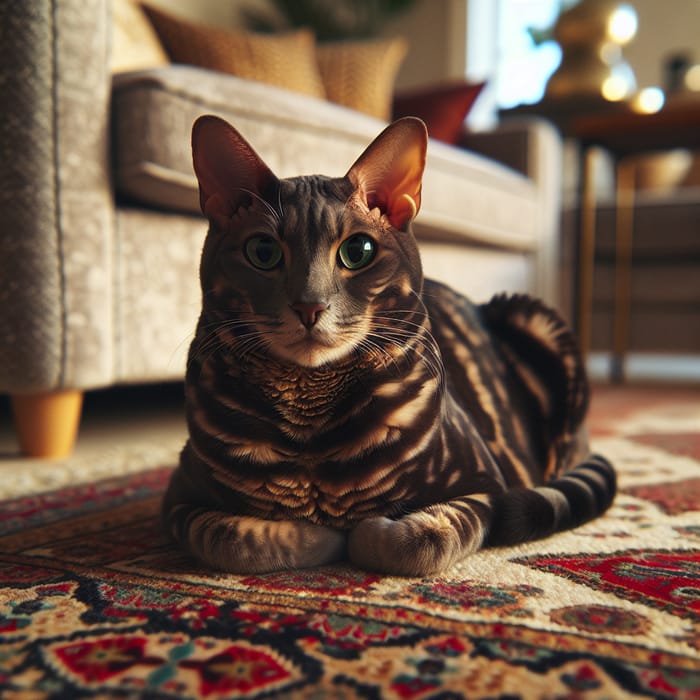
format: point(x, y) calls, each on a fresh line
point(341, 406)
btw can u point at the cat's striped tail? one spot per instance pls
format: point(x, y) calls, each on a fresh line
point(579, 495)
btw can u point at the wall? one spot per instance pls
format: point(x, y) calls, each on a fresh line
point(436, 32)
point(665, 28)
point(209, 11)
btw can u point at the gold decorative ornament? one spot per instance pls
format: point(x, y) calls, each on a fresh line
point(591, 36)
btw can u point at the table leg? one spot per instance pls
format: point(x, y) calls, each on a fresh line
point(624, 223)
point(586, 254)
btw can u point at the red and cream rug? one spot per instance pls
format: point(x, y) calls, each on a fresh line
point(94, 603)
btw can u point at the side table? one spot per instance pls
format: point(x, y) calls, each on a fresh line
point(624, 134)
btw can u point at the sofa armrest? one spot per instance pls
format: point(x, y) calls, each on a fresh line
point(55, 196)
point(508, 147)
point(514, 142)
point(534, 148)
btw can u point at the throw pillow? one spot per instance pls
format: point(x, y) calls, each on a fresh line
point(361, 74)
point(285, 60)
point(135, 44)
point(443, 108)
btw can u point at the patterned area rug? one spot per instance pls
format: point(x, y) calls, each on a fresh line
point(95, 603)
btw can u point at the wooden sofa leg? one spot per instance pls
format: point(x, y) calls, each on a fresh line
point(47, 424)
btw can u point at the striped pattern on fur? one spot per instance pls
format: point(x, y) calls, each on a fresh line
point(339, 405)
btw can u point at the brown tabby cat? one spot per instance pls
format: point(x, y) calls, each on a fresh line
point(341, 406)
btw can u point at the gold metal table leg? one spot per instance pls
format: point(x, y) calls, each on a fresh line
point(586, 254)
point(624, 223)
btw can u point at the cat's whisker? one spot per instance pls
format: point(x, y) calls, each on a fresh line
point(187, 340)
point(214, 341)
point(271, 210)
point(401, 337)
point(252, 344)
point(381, 340)
point(233, 335)
point(368, 345)
point(279, 203)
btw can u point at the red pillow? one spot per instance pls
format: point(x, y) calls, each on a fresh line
point(442, 107)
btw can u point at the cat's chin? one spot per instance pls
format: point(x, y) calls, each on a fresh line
point(310, 353)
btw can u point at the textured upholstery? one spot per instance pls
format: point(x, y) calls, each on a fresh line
point(158, 301)
point(97, 289)
point(56, 204)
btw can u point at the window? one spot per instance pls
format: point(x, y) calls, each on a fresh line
point(502, 50)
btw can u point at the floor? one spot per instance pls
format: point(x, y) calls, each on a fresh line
point(616, 402)
point(122, 413)
point(122, 430)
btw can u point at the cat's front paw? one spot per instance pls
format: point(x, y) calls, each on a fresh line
point(419, 544)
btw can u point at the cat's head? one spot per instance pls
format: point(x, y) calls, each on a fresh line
point(310, 269)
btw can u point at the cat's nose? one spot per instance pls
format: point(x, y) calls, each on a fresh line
point(309, 312)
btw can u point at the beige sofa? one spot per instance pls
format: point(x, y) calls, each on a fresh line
point(100, 230)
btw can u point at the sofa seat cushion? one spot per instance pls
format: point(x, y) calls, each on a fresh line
point(465, 196)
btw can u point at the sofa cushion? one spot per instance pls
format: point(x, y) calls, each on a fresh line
point(287, 60)
point(465, 196)
point(443, 107)
point(361, 74)
point(135, 45)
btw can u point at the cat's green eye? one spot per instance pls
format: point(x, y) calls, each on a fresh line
point(263, 252)
point(357, 252)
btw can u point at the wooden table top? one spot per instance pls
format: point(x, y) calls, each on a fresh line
point(676, 125)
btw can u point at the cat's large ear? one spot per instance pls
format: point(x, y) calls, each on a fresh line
point(229, 171)
point(389, 173)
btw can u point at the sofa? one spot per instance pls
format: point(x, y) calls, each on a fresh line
point(100, 230)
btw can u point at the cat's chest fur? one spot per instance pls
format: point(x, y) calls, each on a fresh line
point(316, 415)
point(305, 403)
point(330, 445)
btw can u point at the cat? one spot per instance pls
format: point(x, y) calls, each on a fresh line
point(341, 406)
